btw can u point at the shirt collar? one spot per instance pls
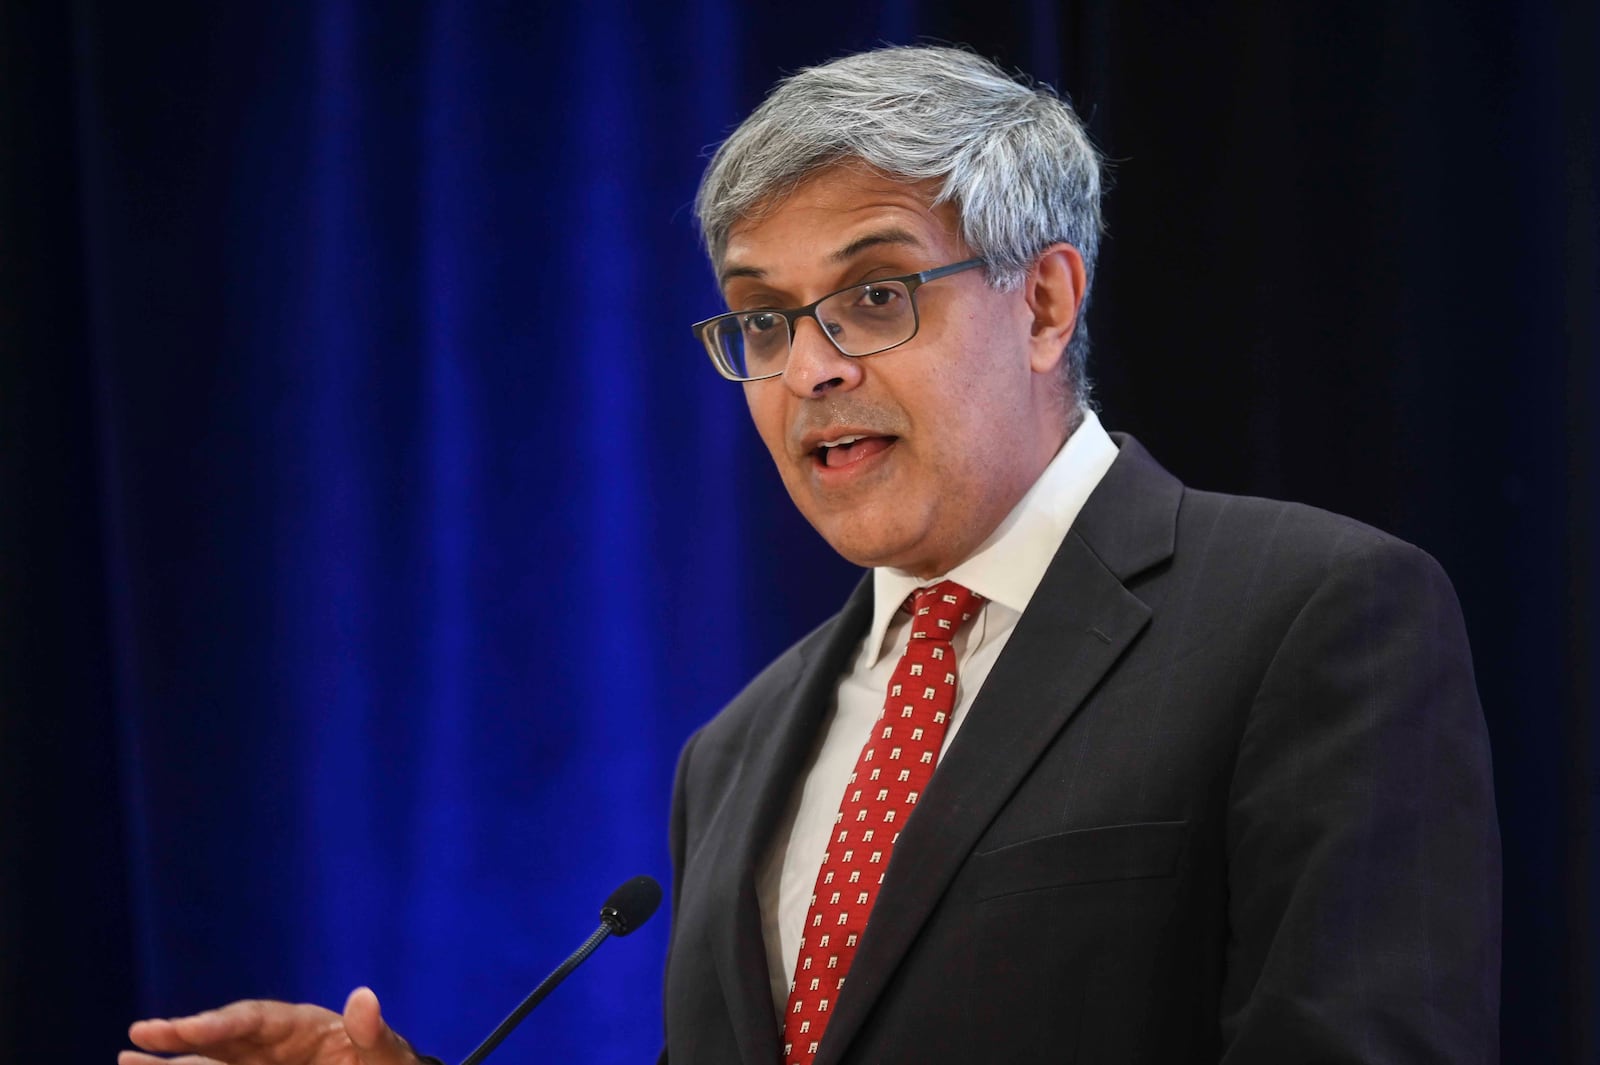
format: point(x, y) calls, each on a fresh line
point(1008, 566)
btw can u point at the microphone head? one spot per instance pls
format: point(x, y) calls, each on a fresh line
point(631, 905)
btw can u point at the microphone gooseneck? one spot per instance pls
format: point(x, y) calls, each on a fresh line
point(628, 907)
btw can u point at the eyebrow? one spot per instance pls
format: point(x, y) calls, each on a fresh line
point(877, 238)
point(892, 235)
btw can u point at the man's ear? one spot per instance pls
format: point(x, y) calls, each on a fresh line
point(1055, 288)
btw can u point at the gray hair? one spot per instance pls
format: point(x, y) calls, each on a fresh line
point(1011, 155)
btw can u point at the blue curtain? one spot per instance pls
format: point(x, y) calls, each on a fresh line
point(375, 532)
point(426, 542)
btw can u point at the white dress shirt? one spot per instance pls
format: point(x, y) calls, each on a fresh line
point(1005, 570)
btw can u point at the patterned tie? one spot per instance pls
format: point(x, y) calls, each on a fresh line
point(891, 772)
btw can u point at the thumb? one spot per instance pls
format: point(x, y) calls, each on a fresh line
point(375, 1042)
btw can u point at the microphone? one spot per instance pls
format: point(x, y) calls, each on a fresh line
point(626, 909)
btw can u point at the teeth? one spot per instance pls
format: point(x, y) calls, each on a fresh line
point(841, 441)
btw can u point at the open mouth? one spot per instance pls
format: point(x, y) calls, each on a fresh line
point(848, 450)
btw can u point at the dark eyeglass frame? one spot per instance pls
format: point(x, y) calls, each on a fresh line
point(705, 330)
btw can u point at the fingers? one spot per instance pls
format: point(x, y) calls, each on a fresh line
point(363, 1018)
point(153, 1035)
point(239, 1020)
point(133, 1057)
point(248, 1031)
point(255, 1030)
point(375, 1042)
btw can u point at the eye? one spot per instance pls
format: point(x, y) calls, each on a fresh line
point(758, 322)
point(878, 295)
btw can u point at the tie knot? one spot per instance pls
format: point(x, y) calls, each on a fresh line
point(939, 611)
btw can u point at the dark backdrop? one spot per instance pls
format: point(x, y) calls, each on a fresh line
point(372, 532)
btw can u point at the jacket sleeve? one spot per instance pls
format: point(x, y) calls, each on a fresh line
point(1363, 850)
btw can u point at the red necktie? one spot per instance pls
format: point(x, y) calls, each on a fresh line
point(891, 772)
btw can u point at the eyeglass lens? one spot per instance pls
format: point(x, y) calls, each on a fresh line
point(860, 321)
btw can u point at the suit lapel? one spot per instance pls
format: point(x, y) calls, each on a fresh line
point(757, 802)
point(1080, 621)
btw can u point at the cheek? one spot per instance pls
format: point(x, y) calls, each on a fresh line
point(978, 415)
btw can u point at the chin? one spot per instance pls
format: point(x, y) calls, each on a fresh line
point(869, 533)
point(857, 550)
point(869, 552)
point(854, 533)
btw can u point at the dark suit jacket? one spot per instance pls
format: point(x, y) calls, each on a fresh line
point(1224, 797)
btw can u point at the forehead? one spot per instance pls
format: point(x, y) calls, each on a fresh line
point(835, 216)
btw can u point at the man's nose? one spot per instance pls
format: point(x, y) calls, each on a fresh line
point(815, 366)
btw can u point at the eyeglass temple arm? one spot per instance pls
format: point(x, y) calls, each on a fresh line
point(946, 271)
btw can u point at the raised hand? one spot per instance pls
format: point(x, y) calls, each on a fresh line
point(256, 1032)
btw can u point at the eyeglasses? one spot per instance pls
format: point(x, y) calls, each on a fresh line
point(861, 320)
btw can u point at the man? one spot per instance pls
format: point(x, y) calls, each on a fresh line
point(1091, 767)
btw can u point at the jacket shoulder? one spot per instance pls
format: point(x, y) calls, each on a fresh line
point(1288, 535)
